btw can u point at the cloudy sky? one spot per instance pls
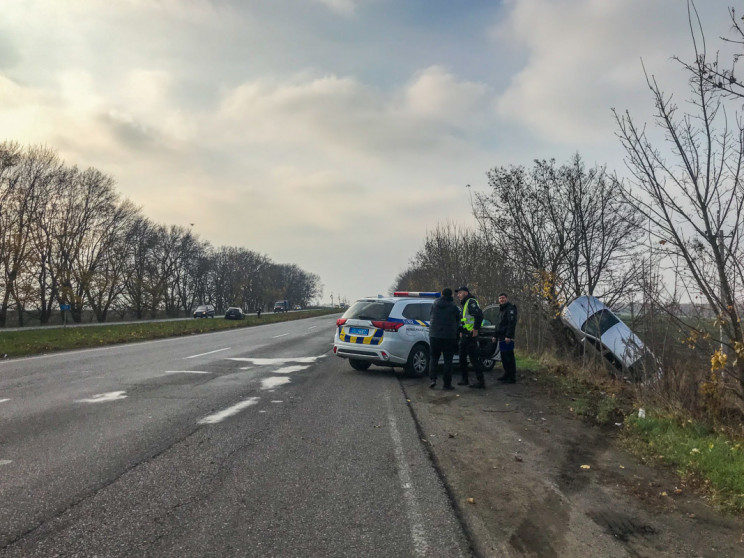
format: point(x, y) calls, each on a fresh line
point(330, 133)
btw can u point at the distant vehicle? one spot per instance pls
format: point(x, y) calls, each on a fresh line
point(281, 306)
point(204, 311)
point(234, 313)
point(298, 307)
point(592, 321)
point(394, 331)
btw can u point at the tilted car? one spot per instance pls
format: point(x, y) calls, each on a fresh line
point(394, 331)
point(204, 311)
point(234, 313)
point(593, 322)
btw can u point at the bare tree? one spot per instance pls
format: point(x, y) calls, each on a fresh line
point(692, 195)
point(716, 75)
point(28, 184)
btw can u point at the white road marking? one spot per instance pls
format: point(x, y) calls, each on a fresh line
point(290, 369)
point(277, 401)
point(230, 411)
point(268, 383)
point(187, 372)
point(312, 327)
point(104, 397)
point(415, 519)
point(5, 462)
point(267, 361)
point(262, 411)
point(4, 400)
point(209, 353)
point(246, 367)
point(282, 335)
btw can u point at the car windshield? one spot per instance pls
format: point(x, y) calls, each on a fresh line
point(597, 324)
point(201, 308)
point(369, 310)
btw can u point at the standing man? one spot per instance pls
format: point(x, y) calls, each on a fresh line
point(445, 322)
point(505, 333)
point(472, 316)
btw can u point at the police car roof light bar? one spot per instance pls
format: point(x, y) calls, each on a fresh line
point(416, 294)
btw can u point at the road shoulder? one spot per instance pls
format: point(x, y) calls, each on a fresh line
point(529, 479)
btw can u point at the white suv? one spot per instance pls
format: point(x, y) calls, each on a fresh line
point(394, 331)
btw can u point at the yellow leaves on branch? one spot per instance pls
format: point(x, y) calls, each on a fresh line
point(718, 360)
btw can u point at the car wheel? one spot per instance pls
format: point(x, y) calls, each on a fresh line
point(359, 364)
point(418, 361)
point(488, 364)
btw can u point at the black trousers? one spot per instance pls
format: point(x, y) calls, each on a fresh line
point(469, 349)
point(509, 362)
point(445, 348)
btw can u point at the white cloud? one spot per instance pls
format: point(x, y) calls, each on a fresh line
point(584, 57)
point(345, 7)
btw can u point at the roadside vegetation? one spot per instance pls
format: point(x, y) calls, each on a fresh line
point(47, 340)
point(661, 242)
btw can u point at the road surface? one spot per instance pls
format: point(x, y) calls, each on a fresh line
point(249, 442)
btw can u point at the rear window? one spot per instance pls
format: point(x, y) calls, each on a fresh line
point(369, 310)
point(599, 323)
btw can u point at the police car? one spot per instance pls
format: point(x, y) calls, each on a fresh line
point(394, 331)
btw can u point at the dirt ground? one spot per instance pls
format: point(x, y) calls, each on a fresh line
point(530, 479)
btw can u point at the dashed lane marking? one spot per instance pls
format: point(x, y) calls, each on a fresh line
point(209, 353)
point(282, 335)
point(187, 372)
point(4, 400)
point(268, 361)
point(230, 411)
point(269, 383)
point(290, 369)
point(104, 397)
point(5, 462)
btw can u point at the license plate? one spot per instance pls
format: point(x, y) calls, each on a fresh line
point(358, 331)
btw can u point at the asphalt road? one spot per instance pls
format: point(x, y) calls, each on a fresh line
point(249, 442)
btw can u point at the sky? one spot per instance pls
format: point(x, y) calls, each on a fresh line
point(331, 134)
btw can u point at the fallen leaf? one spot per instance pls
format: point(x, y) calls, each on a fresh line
point(518, 458)
point(663, 493)
point(678, 491)
point(586, 467)
point(622, 466)
point(471, 500)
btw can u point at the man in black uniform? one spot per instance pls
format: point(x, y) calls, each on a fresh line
point(505, 333)
point(445, 323)
point(472, 316)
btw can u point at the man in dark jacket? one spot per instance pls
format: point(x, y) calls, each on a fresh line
point(505, 331)
point(445, 322)
point(472, 316)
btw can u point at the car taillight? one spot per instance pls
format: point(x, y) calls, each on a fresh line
point(340, 322)
point(388, 326)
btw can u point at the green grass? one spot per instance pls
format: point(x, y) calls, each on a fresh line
point(695, 451)
point(38, 341)
point(527, 362)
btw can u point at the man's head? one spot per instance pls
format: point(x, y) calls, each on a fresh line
point(503, 298)
point(462, 292)
point(447, 292)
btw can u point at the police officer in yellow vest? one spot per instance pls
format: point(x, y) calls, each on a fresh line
point(472, 316)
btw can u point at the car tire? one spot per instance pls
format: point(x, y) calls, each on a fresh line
point(418, 361)
point(360, 365)
point(487, 364)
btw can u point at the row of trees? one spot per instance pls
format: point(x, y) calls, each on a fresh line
point(666, 238)
point(67, 237)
